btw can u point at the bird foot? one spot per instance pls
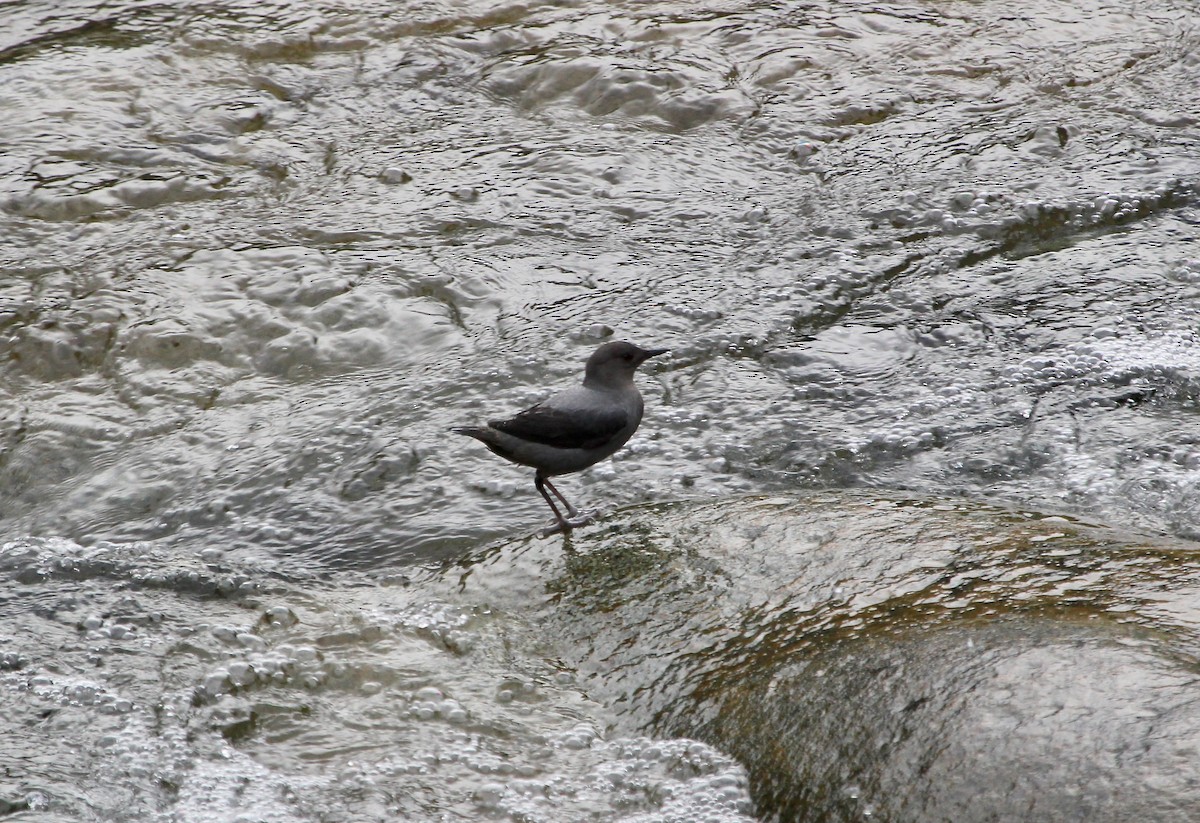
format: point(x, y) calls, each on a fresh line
point(575, 520)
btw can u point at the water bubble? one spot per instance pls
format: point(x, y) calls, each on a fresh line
point(489, 794)
point(241, 673)
point(395, 175)
point(802, 151)
point(280, 617)
point(216, 683)
point(597, 331)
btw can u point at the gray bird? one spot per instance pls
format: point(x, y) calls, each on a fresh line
point(575, 428)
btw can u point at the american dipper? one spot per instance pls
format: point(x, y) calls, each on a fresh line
point(573, 429)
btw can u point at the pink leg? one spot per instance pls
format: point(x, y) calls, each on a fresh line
point(571, 510)
point(541, 483)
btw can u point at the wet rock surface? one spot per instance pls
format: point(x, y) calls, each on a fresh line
point(875, 655)
point(139, 686)
point(1022, 719)
point(818, 657)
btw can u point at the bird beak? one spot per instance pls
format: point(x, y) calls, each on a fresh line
point(648, 353)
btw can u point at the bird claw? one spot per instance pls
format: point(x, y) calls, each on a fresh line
point(582, 518)
point(574, 521)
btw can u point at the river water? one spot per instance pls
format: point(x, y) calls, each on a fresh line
point(256, 259)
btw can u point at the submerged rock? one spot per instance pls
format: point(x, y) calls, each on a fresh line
point(1016, 720)
point(872, 656)
point(836, 657)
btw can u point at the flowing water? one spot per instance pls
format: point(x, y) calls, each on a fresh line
point(257, 258)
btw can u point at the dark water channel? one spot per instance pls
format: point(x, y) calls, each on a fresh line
point(933, 263)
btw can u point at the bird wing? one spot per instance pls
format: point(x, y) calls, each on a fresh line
point(574, 429)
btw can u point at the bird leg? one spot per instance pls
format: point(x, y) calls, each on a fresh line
point(571, 510)
point(541, 483)
point(563, 524)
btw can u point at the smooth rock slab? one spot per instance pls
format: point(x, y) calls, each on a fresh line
point(868, 656)
point(1019, 720)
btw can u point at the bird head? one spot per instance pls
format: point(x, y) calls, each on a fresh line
point(613, 364)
